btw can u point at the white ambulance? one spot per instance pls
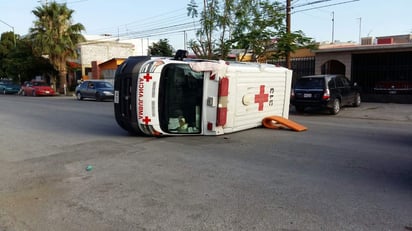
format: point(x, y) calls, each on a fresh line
point(178, 96)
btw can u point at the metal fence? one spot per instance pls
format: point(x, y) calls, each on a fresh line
point(301, 66)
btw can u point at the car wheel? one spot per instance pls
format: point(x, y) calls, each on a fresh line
point(4, 91)
point(300, 109)
point(336, 107)
point(79, 96)
point(33, 93)
point(357, 101)
point(98, 97)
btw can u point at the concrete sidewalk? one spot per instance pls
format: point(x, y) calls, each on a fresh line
point(379, 111)
point(375, 111)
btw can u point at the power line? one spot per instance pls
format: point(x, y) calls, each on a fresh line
point(166, 23)
point(311, 3)
point(313, 8)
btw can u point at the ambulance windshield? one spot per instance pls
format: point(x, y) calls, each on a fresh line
point(180, 99)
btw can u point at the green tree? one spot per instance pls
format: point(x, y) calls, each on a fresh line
point(161, 48)
point(290, 42)
point(214, 31)
point(256, 26)
point(17, 59)
point(6, 46)
point(225, 24)
point(55, 36)
point(192, 9)
point(22, 65)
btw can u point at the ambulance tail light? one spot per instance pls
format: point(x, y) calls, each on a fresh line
point(326, 94)
point(222, 104)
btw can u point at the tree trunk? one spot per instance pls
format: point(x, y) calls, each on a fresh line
point(53, 82)
point(62, 75)
point(62, 79)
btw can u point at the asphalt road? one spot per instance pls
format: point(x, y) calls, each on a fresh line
point(344, 173)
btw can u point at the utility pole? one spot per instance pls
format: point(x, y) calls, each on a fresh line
point(184, 39)
point(288, 8)
point(288, 13)
point(333, 27)
point(360, 30)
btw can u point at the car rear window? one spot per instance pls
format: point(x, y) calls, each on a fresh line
point(310, 83)
point(40, 84)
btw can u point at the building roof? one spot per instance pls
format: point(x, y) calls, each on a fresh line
point(369, 48)
point(111, 63)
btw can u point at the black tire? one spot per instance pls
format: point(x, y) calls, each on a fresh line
point(357, 100)
point(98, 97)
point(336, 107)
point(300, 109)
point(79, 96)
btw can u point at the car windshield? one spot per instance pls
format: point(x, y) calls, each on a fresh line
point(310, 83)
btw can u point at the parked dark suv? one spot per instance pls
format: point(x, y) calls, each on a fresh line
point(325, 91)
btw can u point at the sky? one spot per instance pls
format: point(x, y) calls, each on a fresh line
point(340, 20)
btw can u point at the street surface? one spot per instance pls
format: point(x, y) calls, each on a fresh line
point(344, 173)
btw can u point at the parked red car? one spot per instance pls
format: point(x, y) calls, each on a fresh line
point(37, 88)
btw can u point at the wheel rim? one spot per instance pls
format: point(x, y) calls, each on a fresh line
point(358, 100)
point(336, 106)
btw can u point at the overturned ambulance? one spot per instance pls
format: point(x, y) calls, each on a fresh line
point(178, 96)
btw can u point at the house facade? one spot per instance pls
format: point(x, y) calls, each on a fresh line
point(102, 48)
point(382, 66)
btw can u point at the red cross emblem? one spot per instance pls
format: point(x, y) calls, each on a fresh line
point(261, 98)
point(146, 120)
point(147, 77)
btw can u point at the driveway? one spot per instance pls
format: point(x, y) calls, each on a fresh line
point(376, 111)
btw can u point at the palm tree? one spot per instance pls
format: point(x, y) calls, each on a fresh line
point(55, 36)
